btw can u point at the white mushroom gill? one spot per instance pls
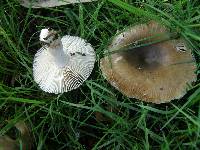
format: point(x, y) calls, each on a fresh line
point(62, 64)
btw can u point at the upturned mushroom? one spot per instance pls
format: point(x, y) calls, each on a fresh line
point(156, 72)
point(62, 64)
point(49, 3)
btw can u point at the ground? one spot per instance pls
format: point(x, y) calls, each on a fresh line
point(95, 116)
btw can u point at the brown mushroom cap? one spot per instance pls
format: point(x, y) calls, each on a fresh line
point(8, 143)
point(155, 73)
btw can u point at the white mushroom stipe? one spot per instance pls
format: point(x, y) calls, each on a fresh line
point(43, 34)
point(63, 64)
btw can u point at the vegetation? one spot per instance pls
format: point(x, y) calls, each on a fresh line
point(95, 116)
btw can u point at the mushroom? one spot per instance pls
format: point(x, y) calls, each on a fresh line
point(49, 3)
point(62, 64)
point(157, 72)
point(7, 143)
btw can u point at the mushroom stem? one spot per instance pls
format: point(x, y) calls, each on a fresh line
point(53, 43)
point(57, 53)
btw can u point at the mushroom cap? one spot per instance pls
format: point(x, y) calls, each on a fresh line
point(156, 73)
point(7, 143)
point(63, 68)
point(49, 3)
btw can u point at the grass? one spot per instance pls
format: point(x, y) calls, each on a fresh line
point(95, 116)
